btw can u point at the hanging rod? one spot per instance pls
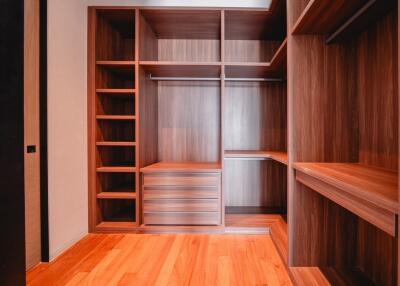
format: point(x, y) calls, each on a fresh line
point(184, 78)
point(214, 79)
point(253, 79)
point(248, 158)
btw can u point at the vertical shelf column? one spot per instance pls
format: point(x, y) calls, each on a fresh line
point(137, 121)
point(222, 116)
point(112, 117)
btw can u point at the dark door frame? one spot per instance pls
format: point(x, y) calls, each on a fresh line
point(12, 198)
point(44, 210)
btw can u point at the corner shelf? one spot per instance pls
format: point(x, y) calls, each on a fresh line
point(256, 154)
point(339, 20)
point(278, 61)
point(368, 192)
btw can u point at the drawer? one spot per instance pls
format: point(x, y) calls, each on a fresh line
point(181, 179)
point(180, 192)
point(182, 218)
point(181, 205)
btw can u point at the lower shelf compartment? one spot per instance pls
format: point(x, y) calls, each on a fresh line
point(117, 210)
point(117, 227)
point(370, 193)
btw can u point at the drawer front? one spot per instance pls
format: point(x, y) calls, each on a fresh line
point(182, 179)
point(184, 218)
point(180, 192)
point(179, 205)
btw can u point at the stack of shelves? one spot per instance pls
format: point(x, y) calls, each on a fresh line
point(345, 175)
point(114, 145)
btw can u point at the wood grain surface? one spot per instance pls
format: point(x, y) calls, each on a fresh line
point(117, 259)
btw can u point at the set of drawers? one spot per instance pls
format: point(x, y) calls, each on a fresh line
point(181, 198)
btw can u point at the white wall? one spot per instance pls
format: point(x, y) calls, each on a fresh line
point(67, 124)
point(67, 139)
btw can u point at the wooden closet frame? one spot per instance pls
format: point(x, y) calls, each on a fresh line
point(275, 67)
point(319, 176)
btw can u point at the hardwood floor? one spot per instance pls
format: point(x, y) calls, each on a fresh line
point(151, 259)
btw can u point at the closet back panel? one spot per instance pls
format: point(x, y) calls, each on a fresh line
point(253, 183)
point(250, 50)
point(115, 38)
point(325, 113)
point(255, 116)
point(189, 50)
point(377, 80)
point(189, 121)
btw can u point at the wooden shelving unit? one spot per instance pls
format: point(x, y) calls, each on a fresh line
point(368, 192)
point(340, 20)
point(256, 154)
point(113, 101)
point(186, 104)
point(254, 111)
point(343, 215)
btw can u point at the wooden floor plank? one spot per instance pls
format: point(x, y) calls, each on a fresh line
point(165, 259)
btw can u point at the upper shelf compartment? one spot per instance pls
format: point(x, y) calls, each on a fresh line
point(338, 19)
point(115, 35)
point(254, 35)
point(180, 35)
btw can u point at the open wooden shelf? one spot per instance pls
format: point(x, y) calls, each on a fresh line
point(116, 195)
point(115, 117)
point(116, 169)
point(116, 143)
point(116, 91)
point(339, 20)
point(279, 60)
point(183, 23)
point(182, 69)
point(254, 154)
point(370, 193)
point(182, 167)
point(252, 70)
point(116, 63)
point(116, 226)
point(256, 24)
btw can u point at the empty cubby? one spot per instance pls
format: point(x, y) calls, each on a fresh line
point(252, 36)
point(115, 35)
point(109, 76)
point(116, 130)
point(115, 104)
point(115, 156)
point(116, 182)
point(180, 35)
point(117, 210)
